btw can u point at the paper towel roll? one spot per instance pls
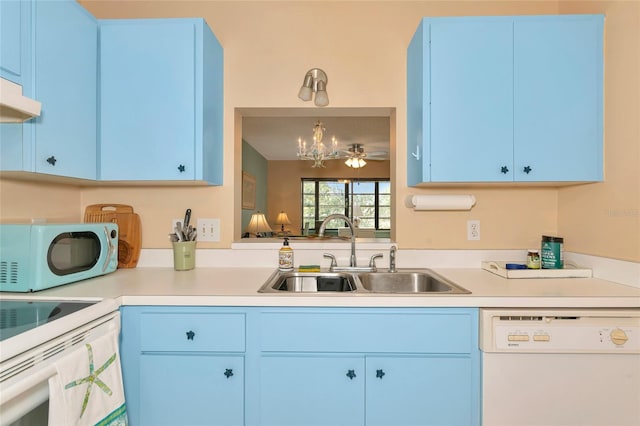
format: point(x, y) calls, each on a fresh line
point(441, 202)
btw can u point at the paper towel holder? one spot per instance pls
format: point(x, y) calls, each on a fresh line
point(440, 202)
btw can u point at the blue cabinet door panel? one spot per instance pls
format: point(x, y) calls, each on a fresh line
point(147, 92)
point(14, 33)
point(192, 390)
point(442, 331)
point(420, 390)
point(192, 330)
point(66, 46)
point(471, 99)
point(558, 98)
point(312, 390)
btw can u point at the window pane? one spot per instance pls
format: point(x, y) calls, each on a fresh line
point(357, 198)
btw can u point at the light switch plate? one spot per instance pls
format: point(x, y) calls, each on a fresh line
point(208, 230)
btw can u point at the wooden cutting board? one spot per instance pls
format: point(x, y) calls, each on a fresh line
point(130, 230)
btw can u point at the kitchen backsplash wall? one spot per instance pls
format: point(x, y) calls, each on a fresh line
point(257, 41)
point(22, 202)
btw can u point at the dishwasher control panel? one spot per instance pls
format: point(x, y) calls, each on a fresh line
point(560, 331)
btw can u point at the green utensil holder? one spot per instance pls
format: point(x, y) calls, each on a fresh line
point(184, 255)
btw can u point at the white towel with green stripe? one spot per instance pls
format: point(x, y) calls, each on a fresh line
point(87, 389)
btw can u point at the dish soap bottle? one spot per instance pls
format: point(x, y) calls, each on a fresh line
point(285, 257)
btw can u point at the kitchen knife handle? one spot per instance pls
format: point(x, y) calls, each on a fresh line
point(187, 219)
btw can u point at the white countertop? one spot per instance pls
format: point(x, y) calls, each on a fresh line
point(238, 287)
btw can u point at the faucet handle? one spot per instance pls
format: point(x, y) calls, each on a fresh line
point(333, 259)
point(372, 262)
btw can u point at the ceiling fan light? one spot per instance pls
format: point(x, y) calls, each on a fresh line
point(349, 162)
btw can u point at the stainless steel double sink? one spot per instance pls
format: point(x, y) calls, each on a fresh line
point(404, 281)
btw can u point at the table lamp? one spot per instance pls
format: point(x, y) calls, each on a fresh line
point(282, 220)
point(258, 225)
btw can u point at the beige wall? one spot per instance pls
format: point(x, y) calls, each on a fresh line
point(283, 186)
point(20, 202)
point(604, 219)
point(362, 46)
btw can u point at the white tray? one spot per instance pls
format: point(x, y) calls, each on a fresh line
point(571, 270)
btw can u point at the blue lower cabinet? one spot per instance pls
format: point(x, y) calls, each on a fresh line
point(193, 389)
point(419, 390)
point(301, 366)
point(183, 365)
point(312, 390)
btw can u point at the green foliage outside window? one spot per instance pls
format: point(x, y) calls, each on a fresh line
point(368, 200)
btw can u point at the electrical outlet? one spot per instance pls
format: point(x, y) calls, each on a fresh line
point(473, 230)
point(208, 230)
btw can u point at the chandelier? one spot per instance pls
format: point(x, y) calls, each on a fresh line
point(318, 152)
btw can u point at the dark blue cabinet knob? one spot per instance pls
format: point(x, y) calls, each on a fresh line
point(190, 335)
point(52, 160)
point(504, 170)
point(351, 374)
point(181, 168)
point(380, 374)
point(228, 372)
point(527, 169)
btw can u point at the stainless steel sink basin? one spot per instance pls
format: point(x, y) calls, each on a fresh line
point(408, 282)
point(309, 282)
point(417, 281)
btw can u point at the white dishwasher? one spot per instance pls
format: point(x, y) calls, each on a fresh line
point(560, 367)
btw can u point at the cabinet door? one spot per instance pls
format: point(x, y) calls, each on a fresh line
point(15, 19)
point(420, 390)
point(193, 389)
point(66, 45)
point(471, 106)
point(311, 390)
point(147, 100)
point(558, 98)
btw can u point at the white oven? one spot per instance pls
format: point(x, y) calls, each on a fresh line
point(559, 367)
point(35, 333)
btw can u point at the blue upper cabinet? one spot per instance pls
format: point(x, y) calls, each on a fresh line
point(66, 47)
point(15, 48)
point(161, 101)
point(59, 69)
point(558, 122)
point(503, 99)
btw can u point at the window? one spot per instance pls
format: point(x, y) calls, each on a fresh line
point(367, 200)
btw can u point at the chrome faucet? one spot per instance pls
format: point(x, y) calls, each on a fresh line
point(392, 259)
point(323, 226)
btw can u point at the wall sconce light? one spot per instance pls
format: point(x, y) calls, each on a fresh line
point(282, 220)
point(315, 80)
point(258, 225)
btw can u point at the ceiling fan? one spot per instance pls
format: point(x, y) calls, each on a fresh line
point(356, 155)
point(356, 150)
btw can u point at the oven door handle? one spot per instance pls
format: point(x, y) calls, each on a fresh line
point(110, 250)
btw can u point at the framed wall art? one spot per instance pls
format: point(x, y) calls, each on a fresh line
point(248, 191)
